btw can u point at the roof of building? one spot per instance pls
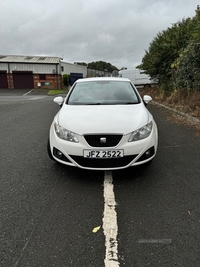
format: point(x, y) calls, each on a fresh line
point(29, 59)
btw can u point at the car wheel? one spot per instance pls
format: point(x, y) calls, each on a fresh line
point(49, 150)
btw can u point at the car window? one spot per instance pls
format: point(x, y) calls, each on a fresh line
point(103, 93)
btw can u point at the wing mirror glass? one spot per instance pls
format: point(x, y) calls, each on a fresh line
point(147, 99)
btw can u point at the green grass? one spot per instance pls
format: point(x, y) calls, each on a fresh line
point(56, 92)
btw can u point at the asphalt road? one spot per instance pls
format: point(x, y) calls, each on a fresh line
point(48, 210)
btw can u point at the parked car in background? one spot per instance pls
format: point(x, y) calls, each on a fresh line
point(103, 124)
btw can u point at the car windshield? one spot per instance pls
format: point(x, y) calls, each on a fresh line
point(103, 93)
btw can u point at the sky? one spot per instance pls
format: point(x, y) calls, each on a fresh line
point(115, 31)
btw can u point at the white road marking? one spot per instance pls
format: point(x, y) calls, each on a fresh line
point(28, 92)
point(110, 227)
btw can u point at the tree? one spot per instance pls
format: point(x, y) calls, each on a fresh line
point(101, 65)
point(81, 63)
point(187, 65)
point(165, 49)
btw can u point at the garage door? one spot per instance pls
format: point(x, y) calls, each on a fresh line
point(23, 79)
point(3, 79)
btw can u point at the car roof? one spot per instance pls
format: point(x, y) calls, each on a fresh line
point(116, 79)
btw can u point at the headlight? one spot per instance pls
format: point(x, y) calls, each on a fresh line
point(64, 133)
point(141, 133)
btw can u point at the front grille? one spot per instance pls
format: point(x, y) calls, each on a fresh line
point(111, 140)
point(103, 163)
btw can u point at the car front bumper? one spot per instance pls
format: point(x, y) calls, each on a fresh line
point(135, 153)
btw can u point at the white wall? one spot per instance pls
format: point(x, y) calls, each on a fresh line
point(73, 68)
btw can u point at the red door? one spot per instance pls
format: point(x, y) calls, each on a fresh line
point(3, 79)
point(23, 79)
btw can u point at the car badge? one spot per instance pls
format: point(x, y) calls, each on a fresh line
point(103, 140)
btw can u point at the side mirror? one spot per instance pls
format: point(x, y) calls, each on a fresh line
point(147, 99)
point(59, 100)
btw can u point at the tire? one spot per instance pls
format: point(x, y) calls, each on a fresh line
point(49, 151)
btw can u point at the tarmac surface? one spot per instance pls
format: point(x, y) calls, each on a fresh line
point(48, 210)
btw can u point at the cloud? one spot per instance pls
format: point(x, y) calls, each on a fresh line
point(116, 31)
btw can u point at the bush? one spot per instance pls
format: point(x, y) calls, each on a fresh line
point(66, 79)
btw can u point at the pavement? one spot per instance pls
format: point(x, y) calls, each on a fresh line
point(194, 119)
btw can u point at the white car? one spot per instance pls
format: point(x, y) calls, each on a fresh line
point(103, 124)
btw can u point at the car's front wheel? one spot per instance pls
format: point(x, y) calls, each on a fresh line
point(49, 150)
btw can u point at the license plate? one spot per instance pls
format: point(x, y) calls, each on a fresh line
point(103, 153)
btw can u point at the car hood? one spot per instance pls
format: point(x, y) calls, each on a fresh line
point(119, 119)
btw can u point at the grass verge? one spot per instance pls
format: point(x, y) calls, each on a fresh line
point(181, 100)
point(56, 92)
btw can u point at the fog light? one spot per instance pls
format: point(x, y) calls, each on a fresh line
point(147, 153)
point(59, 154)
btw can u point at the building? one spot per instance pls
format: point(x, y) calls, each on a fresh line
point(74, 70)
point(28, 72)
